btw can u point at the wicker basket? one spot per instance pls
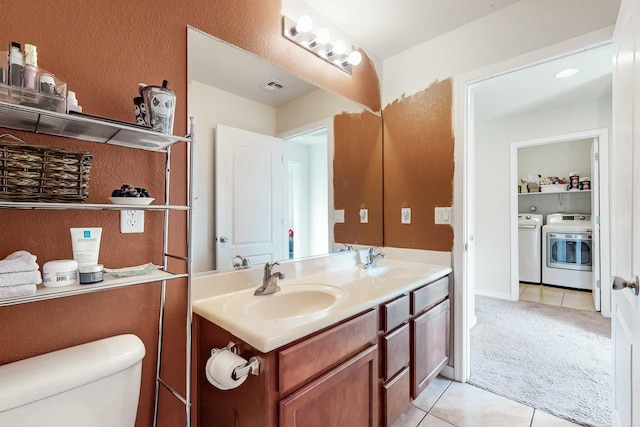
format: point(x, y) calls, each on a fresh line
point(30, 173)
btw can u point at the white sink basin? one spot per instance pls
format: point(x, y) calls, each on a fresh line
point(294, 300)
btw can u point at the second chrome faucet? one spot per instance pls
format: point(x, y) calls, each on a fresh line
point(372, 257)
point(269, 280)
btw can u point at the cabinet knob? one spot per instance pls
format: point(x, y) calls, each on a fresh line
point(223, 239)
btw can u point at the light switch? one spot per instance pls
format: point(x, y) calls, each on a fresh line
point(405, 214)
point(442, 215)
point(364, 216)
point(338, 216)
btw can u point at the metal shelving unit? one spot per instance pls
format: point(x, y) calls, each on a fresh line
point(103, 130)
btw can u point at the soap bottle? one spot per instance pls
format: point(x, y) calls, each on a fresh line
point(30, 67)
point(72, 102)
point(16, 65)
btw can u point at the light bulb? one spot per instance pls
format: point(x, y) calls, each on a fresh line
point(320, 39)
point(323, 36)
point(355, 58)
point(339, 47)
point(303, 25)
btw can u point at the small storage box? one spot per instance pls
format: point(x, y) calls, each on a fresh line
point(30, 173)
point(553, 188)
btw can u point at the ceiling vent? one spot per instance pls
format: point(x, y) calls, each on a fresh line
point(274, 85)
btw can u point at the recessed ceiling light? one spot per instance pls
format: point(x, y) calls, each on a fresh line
point(566, 73)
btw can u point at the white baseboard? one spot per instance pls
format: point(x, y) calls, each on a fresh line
point(493, 294)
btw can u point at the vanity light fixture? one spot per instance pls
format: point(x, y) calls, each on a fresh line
point(318, 43)
point(566, 73)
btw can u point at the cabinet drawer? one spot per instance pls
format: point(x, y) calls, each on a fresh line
point(396, 351)
point(430, 295)
point(306, 360)
point(394, 313)
point(395, 397)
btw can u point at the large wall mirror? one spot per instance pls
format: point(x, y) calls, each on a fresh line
point(275, 157)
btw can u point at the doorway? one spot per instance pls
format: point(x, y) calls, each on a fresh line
point(307, 198)
point(588, 152)
point(485, 188)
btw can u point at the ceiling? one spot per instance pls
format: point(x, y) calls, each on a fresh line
point(387, 28)
point(535, 87)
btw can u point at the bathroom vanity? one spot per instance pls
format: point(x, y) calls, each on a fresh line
point(357, 359)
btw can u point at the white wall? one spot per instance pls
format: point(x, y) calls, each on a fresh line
point(311, 108)
point(493, 187)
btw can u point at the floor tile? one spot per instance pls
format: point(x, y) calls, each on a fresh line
point(466, 406)
point(579, 300)
point(432, 393)
point(543, 295)
point(431, 421)
point(409, 418)
point(523, 286)
point(543, 419)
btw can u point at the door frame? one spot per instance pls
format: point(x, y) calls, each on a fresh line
point(463, 215)
point(328, 124)
point(602, 181)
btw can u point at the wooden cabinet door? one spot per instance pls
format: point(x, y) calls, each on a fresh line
point(430, 346)
point(344, 396)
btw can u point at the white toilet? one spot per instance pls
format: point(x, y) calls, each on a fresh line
point(93, 384)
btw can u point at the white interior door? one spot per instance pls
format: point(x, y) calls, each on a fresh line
point(625, 218)
point(249, 197)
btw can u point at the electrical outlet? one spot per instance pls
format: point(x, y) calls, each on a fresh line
point(132, 221)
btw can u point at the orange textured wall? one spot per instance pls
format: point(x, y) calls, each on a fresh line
point(103, 50)
point(357, 181)
point(418, 167)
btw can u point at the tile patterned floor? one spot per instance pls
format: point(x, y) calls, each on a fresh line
point(447, 403)
point(560, 297)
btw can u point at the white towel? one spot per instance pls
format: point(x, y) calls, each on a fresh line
point(21, 278)
point(17, 291)
point(17, 262)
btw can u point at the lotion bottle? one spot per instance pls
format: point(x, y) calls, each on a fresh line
point(30, 67)
point(16, 65)
point(72, 102)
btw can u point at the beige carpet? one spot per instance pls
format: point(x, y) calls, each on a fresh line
point(550, 358)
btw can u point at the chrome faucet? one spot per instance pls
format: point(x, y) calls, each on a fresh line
point(241, 262)
point(347, 248)
point(372, 257)
point(269, 280)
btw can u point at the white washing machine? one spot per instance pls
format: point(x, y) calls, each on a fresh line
point(530, 247)
point(567, 251)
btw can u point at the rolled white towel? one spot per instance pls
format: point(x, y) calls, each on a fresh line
point(21, 278)
point(17, 291)
point(17, 262)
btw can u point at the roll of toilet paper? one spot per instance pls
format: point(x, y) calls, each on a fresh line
point(220, 367)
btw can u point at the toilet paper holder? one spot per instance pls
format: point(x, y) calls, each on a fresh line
point(252, 367)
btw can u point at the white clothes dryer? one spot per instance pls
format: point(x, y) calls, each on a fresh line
point(567, 251)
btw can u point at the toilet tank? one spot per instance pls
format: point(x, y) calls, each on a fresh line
point(92, 384)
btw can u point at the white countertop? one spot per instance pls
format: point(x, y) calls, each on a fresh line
point(227, 299)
